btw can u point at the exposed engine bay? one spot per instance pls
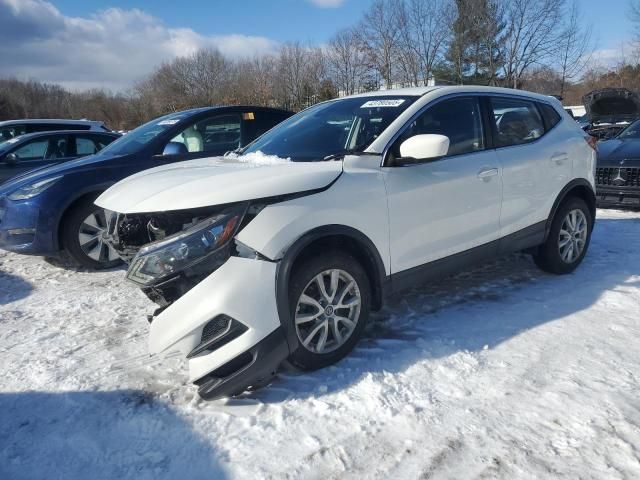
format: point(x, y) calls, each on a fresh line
point(128, 233)
point(206, 234)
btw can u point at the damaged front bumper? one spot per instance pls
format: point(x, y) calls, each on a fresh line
point(228, 328)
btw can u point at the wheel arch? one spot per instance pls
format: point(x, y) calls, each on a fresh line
point(339, 237)
point(80, 196)
point(578, 187)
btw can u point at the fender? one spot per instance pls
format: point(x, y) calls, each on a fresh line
point(577, 182)
point(285, 265)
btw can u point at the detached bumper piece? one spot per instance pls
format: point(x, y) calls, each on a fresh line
point(253, 368)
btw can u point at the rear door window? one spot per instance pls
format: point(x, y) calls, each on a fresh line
point(85, 146)
point(517, 121)
point(257, 123)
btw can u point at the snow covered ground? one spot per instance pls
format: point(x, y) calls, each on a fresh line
point(502, 372)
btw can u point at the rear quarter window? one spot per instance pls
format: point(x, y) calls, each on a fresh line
point(550, 115)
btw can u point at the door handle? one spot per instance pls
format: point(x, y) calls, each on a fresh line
point(487, 173)
point(559, 158)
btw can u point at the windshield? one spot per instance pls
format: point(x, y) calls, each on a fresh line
point(135, 140)
point(632, 131)
point(347, 125)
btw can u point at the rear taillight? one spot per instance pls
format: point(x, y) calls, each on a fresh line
point(592, 141)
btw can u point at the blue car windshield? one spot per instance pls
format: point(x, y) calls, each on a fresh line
point(632, 131)
point(332, 128)
point(137, 139)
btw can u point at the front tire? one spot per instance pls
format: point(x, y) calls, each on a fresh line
point(568, 239)
point(82, 237)
point(330, 301)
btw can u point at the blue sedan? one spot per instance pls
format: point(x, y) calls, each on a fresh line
point(49, 210)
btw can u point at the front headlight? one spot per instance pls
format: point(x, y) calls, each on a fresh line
point(182, 250)
point(33, 189)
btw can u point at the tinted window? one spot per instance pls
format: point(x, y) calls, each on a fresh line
point(550, 115)
point(33, 151)
point(85, 146)
point(459, 119)
point(216, 134)
point(11, 131)
point(257, 123)
point(344, 125)
point(517, 121)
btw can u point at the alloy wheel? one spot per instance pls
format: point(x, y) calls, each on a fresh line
point(573, 236)
point(327, 311)
point(91, 237)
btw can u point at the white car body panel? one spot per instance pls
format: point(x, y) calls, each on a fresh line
point(441, 208)
point(225, 291)
point(357, 200)
point(213, 181)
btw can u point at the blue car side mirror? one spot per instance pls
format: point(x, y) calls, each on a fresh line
point(10, 159)
point(175, 148)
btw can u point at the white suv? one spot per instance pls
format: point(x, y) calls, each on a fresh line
point(282, 250)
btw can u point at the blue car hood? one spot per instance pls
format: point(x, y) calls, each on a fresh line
point(612, 152)
point(51, 171)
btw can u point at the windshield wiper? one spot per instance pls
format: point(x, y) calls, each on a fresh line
point(342, 154)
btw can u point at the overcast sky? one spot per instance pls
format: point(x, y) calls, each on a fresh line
point(113, 43)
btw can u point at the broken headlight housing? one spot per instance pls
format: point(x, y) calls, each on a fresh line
point(176, 253)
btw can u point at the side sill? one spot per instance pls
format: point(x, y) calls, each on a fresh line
point(524, 239)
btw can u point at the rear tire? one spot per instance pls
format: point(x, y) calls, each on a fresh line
point(82, 237)
point(568, 239)
point(330, 301)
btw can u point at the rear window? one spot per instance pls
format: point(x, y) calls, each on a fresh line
point(550, 115)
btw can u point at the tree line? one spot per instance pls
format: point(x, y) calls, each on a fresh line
point(540, 45)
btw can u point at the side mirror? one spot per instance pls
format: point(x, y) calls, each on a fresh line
point(11, 159)
point(423, 147)
point(175, 148)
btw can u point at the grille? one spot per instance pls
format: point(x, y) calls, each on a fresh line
point(609, 175)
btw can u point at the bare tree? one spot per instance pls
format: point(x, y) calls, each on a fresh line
point(346, 62)
point(423, 33)
point(532, 35)
point(379, 35)
point(575, 48)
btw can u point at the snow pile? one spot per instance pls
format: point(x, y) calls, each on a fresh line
point(257, 158)
point(501, 372)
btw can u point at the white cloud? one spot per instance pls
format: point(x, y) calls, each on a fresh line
point(112, 48)
point(327, 3)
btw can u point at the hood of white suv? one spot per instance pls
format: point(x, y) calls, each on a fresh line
point(214, 181)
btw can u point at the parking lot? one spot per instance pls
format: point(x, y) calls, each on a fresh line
point(499, 372)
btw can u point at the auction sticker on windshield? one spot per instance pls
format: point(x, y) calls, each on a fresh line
point(382, 103)
point(171, 121)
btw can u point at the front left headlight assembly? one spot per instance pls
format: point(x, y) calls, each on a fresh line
point(160, 260)
point(31, 190)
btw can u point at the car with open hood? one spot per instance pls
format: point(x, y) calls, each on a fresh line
point(282, 250)
point(51, 209)
point(618, 169)
point(610, 110)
